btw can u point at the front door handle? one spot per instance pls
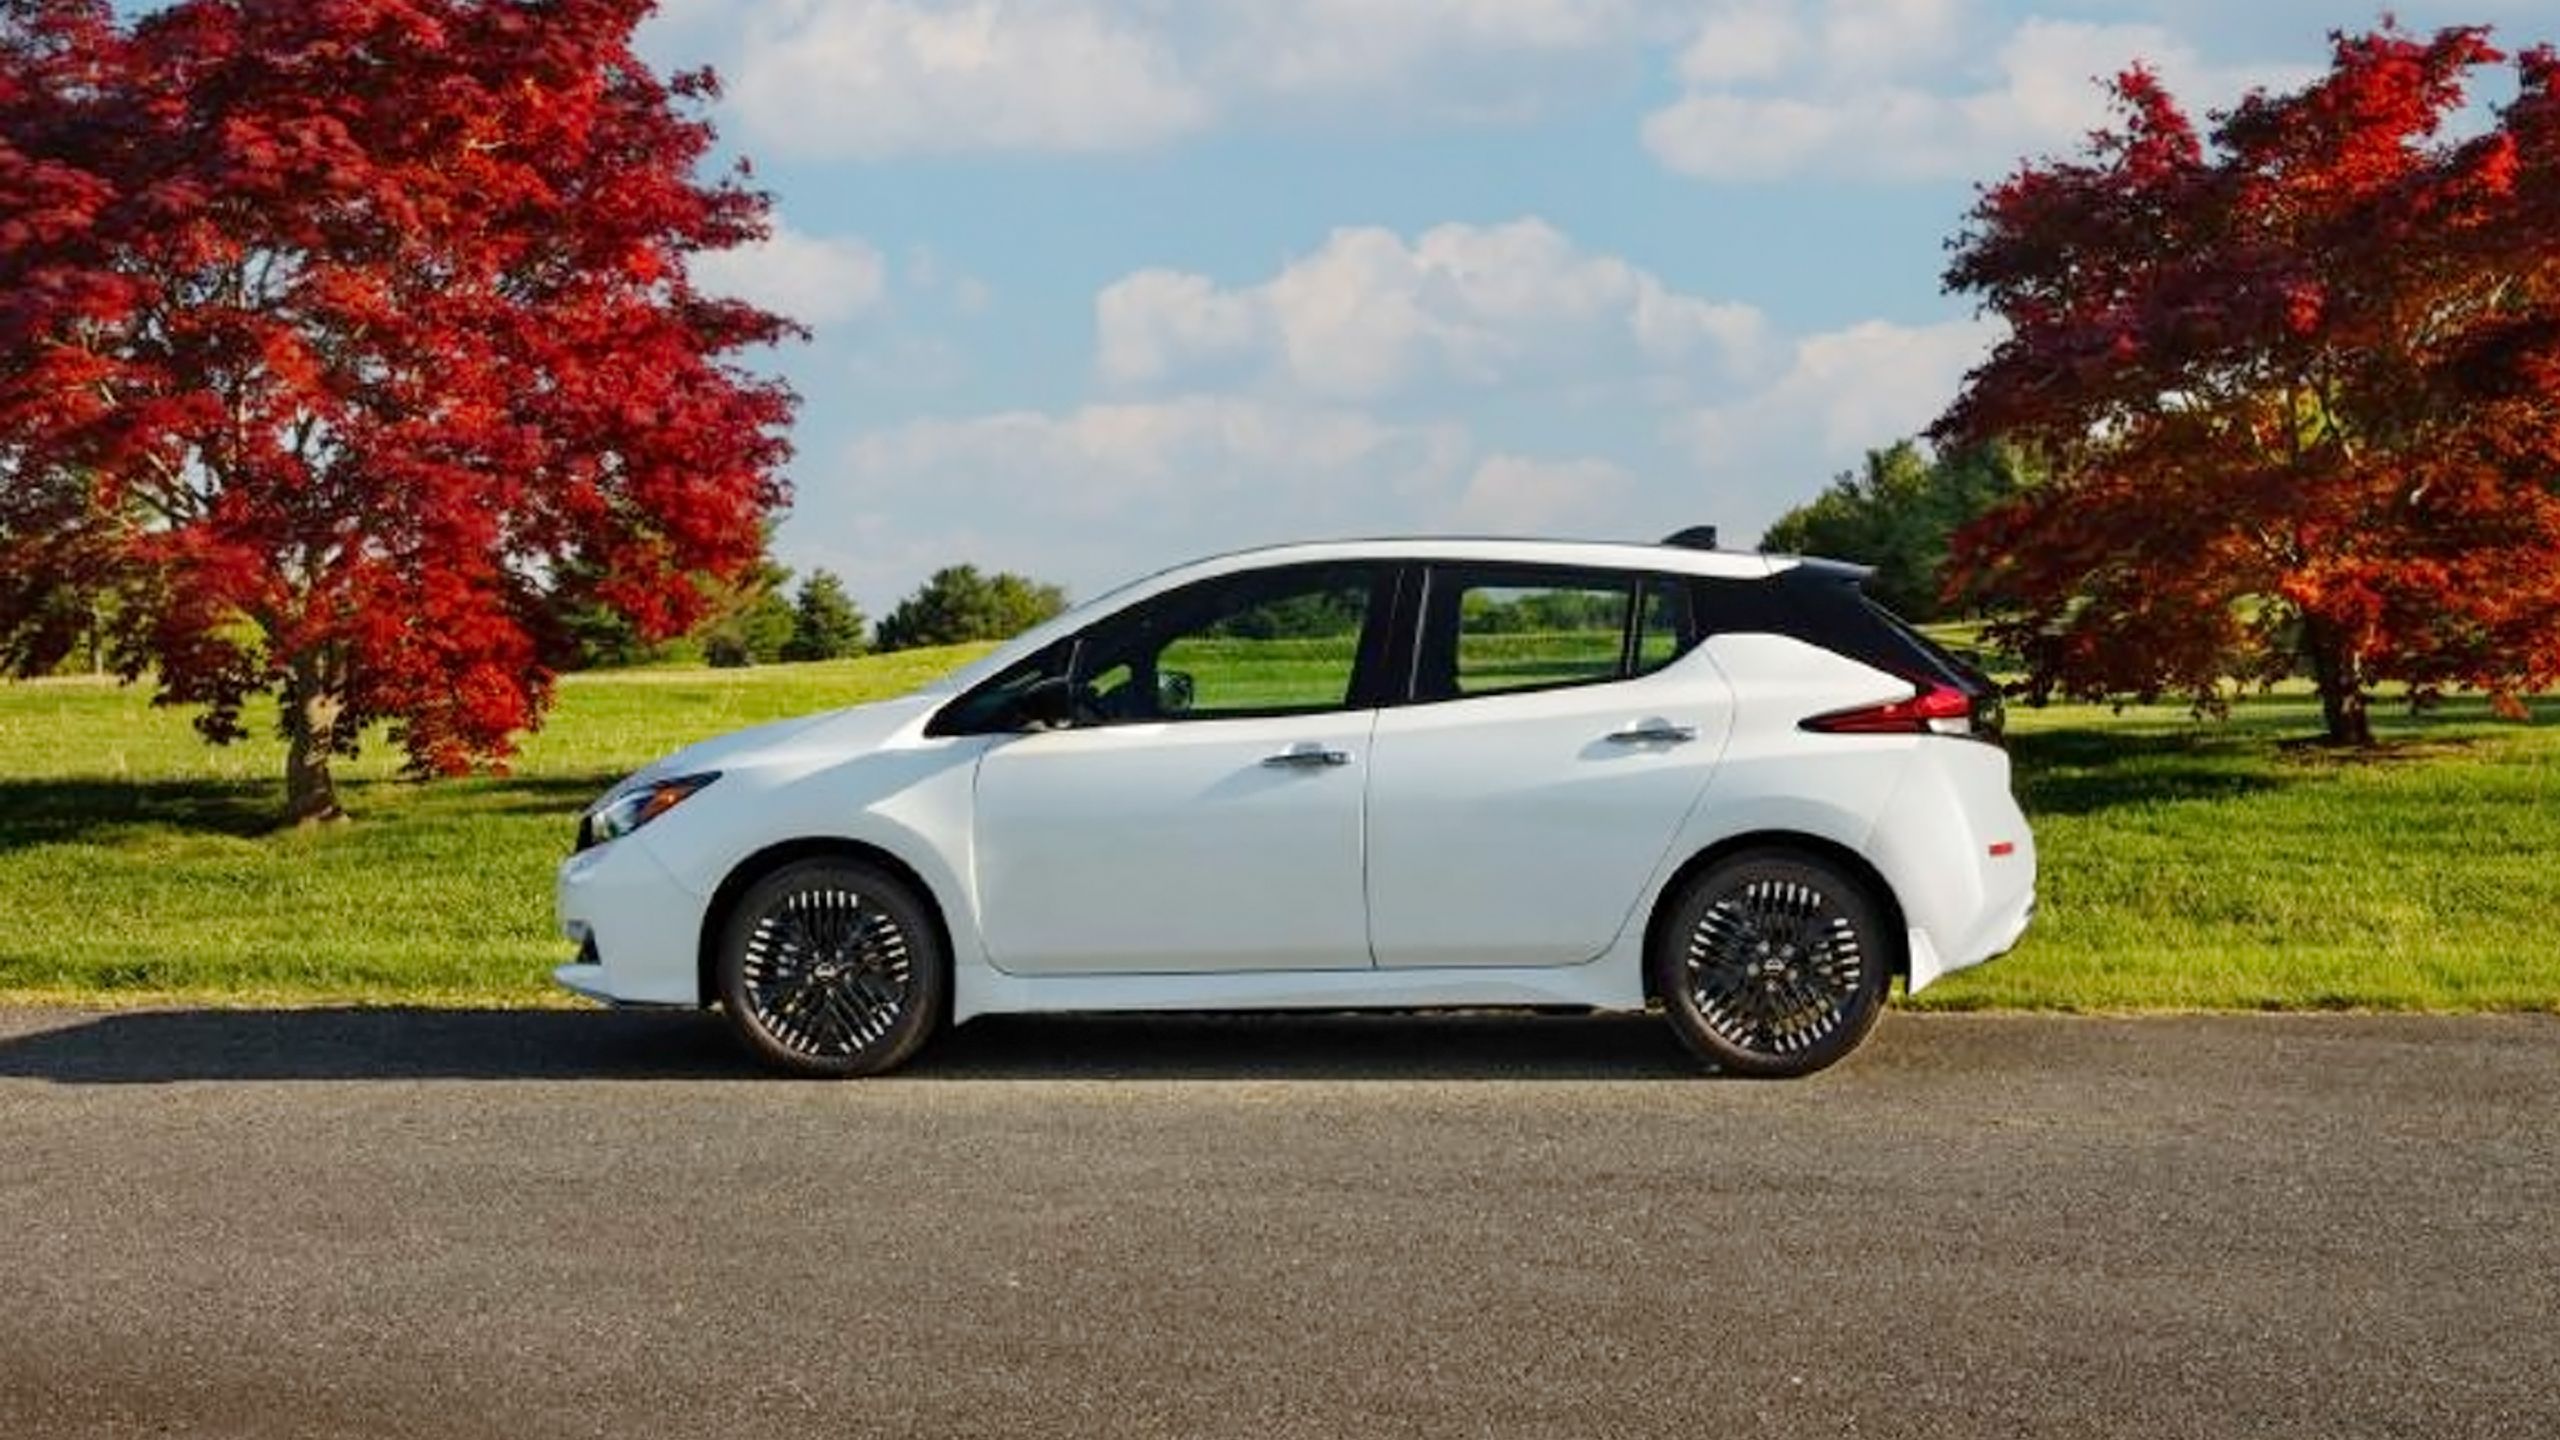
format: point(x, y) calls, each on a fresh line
point(1654, 732)
point(1308, 756)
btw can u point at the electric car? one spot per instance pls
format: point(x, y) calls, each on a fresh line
point(1425, 773)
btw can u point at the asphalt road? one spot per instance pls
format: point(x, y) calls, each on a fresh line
point(335, 1224)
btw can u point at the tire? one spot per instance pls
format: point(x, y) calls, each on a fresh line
point(1775, 963)
point(832, 968)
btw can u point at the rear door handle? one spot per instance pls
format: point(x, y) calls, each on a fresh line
point(1654, 732)
point(1308, 756)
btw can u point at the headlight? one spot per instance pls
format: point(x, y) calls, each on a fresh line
point(621, 814)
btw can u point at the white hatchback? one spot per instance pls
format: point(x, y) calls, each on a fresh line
point(1384, 774)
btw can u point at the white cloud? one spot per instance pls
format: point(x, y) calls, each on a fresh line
point(1150, 466)
point(872, 78)
point(1392, 49)
point(1746, 40)
point(1369, 314)
point(1523, 495)
point(814, 279)
point(1854, 104)
point(1875, 36)
point(1155, 321)
point(882, 77)
point(1873, 87)
point(1844, 392)
point(1097, 494)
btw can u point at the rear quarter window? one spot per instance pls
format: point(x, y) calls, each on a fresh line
point(1825, 607)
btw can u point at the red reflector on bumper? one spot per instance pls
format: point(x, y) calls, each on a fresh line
point(2003, 847)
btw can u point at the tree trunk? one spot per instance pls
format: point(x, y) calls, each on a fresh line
point(2338, 670)
point(311, 713)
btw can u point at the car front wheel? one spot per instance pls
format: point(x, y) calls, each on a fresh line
point(1775, 963)
point(831, 967)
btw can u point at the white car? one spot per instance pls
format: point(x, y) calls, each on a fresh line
point(1383, 774)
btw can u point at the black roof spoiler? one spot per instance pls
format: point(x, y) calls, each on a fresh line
point(1703, 537)
point(1816, 566)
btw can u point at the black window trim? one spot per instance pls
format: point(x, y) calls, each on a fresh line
point(1687, 633)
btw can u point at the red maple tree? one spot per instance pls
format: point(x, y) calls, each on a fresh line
point(341, 339)
point(2301, 386)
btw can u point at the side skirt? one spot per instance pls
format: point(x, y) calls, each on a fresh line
point(1608, 983)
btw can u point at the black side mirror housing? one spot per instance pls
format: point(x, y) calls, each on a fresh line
point(1048, 704)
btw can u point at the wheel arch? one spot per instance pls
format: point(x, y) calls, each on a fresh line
point(744, 874)
point(1858, 866)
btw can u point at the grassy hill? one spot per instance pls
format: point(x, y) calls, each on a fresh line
point(2186, 865)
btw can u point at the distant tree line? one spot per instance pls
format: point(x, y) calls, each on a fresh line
point(1900, 512)
point(762, 619)
point(959, 605)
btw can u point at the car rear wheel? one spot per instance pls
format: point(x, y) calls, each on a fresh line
point(1775, 963)
point(831, 967)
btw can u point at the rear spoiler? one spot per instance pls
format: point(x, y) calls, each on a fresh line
point(1848, 570)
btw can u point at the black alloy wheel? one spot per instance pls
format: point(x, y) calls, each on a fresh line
point(831, 967)
point(1775, 963)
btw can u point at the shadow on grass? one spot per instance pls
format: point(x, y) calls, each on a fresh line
point(158, 1047)
point(46, 812)
point(562, 795)
point(2086, 771)
point(41, 812)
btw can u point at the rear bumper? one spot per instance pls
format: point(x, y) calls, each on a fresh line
point(2000, 935)
point(1959, 856)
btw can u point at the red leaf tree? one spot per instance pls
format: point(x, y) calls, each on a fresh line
point(2301, 386)
point(341, 340)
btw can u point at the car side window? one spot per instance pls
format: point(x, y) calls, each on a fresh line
point(1492, 629)
point(1277, 642)
point(997, 702)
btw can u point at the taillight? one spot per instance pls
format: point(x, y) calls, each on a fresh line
point(1938, 709)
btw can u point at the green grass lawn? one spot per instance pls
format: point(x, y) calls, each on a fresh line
point(2206, 865)
point(138, 863)
point(2186, 865)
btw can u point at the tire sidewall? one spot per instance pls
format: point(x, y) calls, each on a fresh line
point(930, 969)
point(1865, 915)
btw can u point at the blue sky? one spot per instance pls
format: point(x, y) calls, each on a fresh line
point(1101, 285)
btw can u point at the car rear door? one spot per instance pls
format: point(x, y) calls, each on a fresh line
point(1561, 727)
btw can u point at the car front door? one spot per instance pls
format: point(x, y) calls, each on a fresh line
point(1561, 730)
point(1201, 808)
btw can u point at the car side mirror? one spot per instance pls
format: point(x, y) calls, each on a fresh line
point(1048, 704)
point(1174, 692)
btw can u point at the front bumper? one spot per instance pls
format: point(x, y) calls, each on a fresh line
point(584, 977)
point(637, 929)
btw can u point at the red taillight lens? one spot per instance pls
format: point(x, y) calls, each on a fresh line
point(1936, 710)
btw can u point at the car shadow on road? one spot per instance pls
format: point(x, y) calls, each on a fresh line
point(163, 1046)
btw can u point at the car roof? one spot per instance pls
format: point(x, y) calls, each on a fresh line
point(1598, 554)
point(1578, 554)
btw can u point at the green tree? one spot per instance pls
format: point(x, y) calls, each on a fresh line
point(1898, 514)
point(594, 635)
point(751, 621)
point(959, 604)
point(825, 623)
